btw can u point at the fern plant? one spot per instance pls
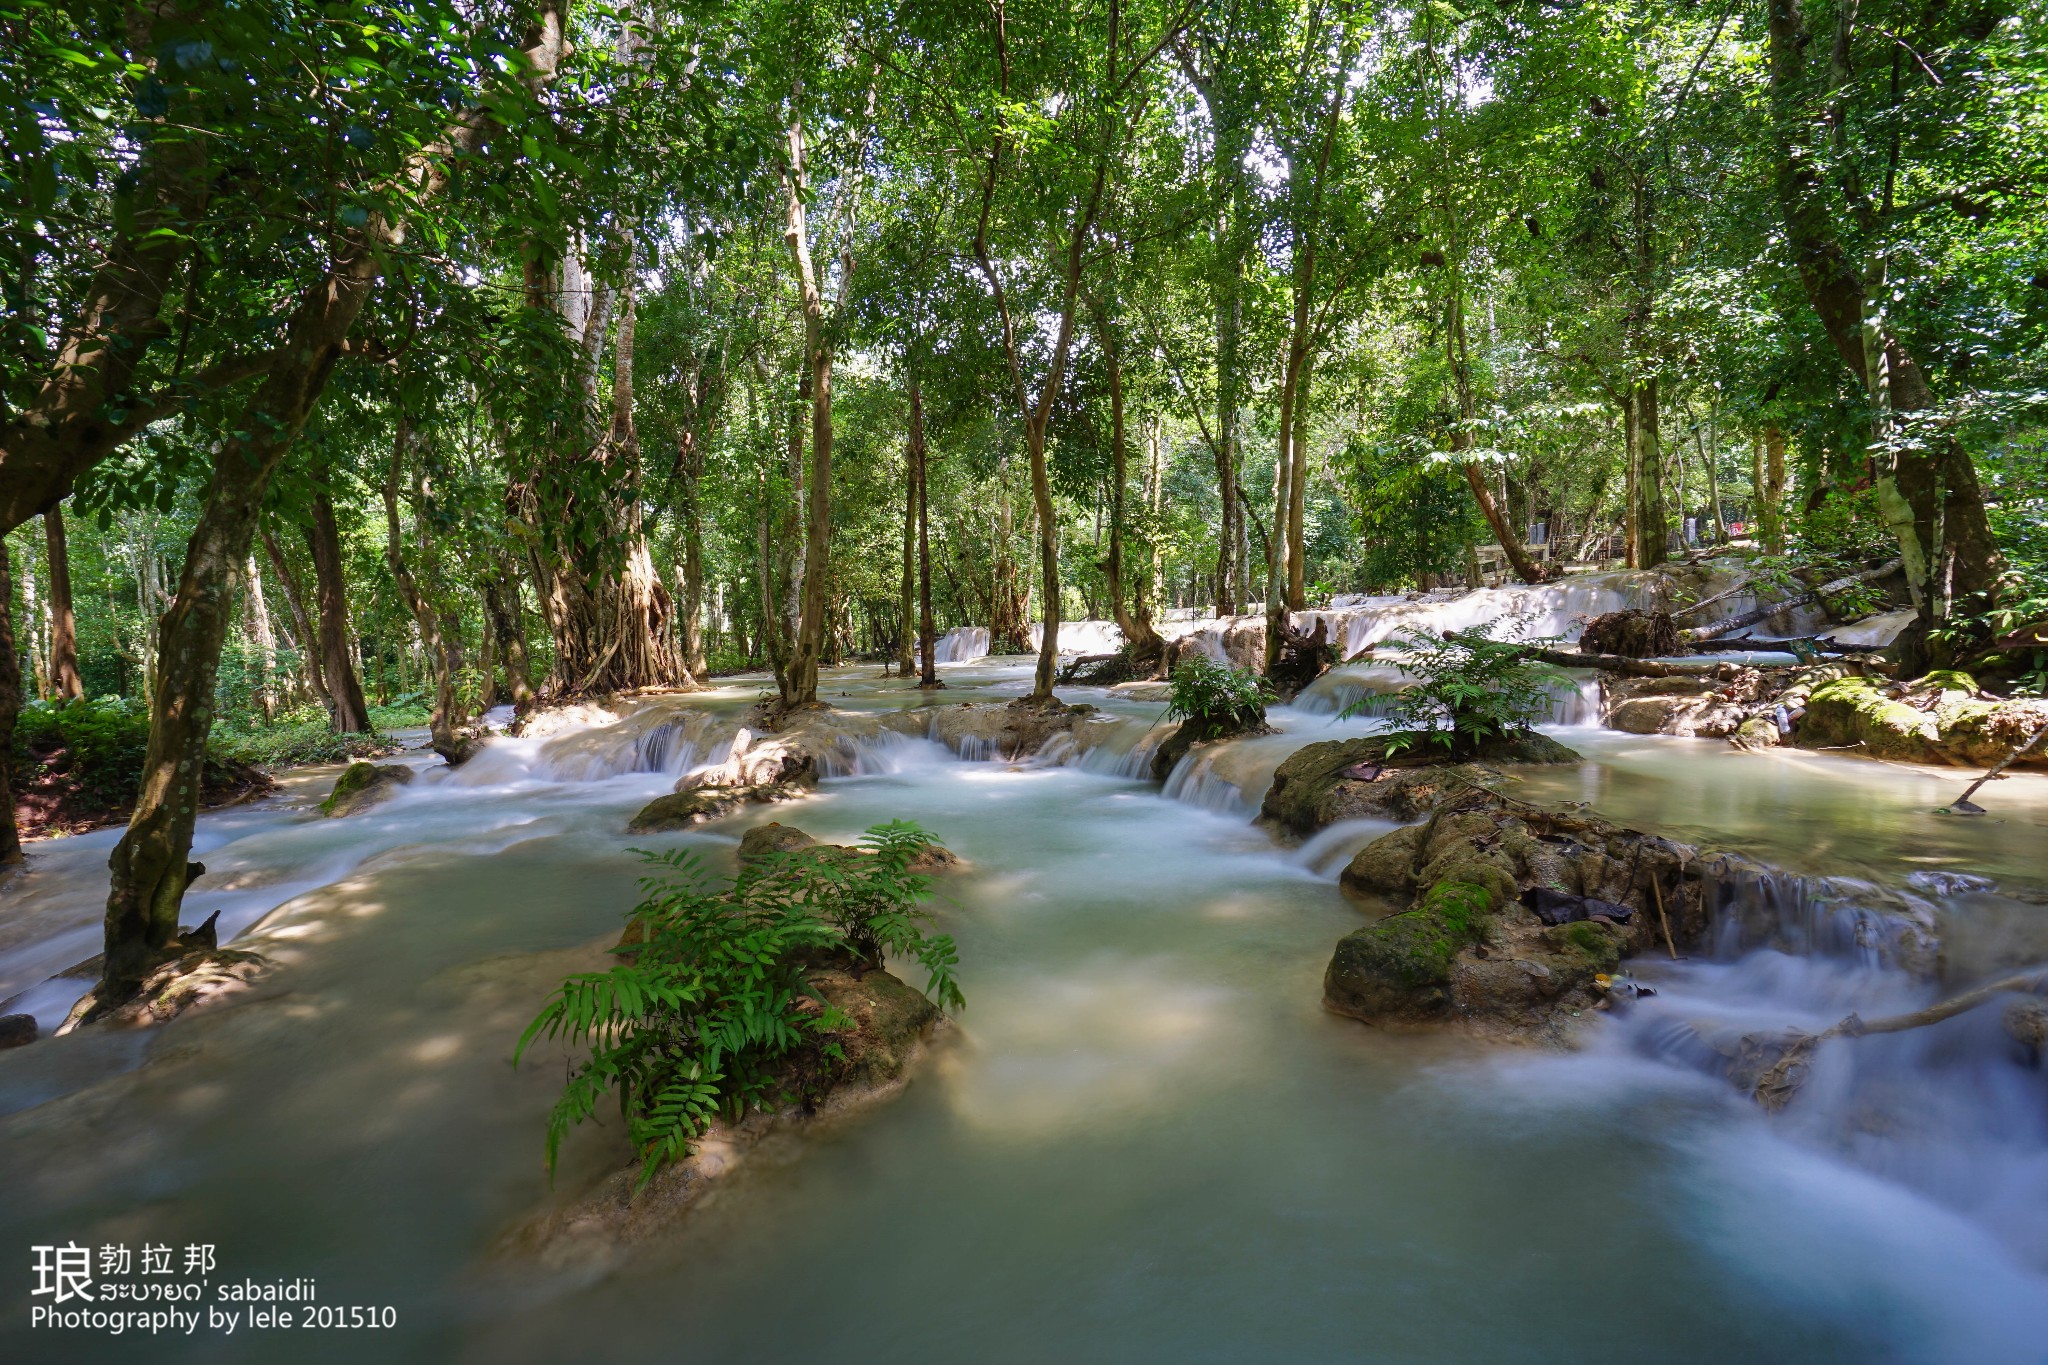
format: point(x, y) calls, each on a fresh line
point(1218, 699)
point(1469, 689)
point(714, 990)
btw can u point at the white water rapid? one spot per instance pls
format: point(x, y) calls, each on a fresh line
point(1145, 1140)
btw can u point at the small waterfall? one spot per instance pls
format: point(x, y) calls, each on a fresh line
point(1331, 849)
point(1195, 781)
point(961, 645)
point(1082, 637)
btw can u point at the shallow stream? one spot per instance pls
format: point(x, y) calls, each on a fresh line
point(1144, 1140)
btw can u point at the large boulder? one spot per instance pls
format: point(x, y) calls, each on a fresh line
point(1507, 917)
point(696, 806)
point(1350, 779)
point(1941, 718)
point(363, 785)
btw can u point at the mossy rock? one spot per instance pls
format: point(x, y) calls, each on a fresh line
point(1855, 711)
point(774, 837)
point(363, 785)
point(1320, 784)
point(1400, 967)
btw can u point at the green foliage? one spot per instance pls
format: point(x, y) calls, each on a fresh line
point(294, 743)
point(98, 742)
point(1220, 699)
point(1469, 689)
point(713, 999)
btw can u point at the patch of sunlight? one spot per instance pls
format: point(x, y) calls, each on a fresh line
point(1109, 1046)
point(434, 1051)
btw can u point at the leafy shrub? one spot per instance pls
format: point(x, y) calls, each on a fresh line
point(97, 742)
point(1218, 699)
point(293, 743)
point(715, 992)
point(1469, 688)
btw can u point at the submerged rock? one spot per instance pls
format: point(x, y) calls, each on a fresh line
point(695, 806)
point(1349, 779)
point(985, 729)
point(17, 1030)
point(363, 785)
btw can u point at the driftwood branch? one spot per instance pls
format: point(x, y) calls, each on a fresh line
point(1963, 805)
point(1750, 618)
point(1777, 1083)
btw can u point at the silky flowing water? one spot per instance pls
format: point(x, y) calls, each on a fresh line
point(1144, 1139)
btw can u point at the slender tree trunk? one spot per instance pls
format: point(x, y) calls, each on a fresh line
point(508, 626)
point(927, 637)
point(1632, 462)
point(1154, 488)
point(1653, 524)
point(811, 621)
point(349, 712)
point(1297, 494)
point(1140, 639)
point(692, 466)
point(65, 684)
point(302, 622)
point(265, 637)
point(1459, 356)
point(443, 656)
point(1770, 492)
point(10, 710)
point(906, 604)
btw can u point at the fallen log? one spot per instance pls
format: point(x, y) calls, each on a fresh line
point(1750, 618)
point(1612, 663)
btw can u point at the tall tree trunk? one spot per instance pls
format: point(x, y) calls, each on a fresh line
point(906, 604)
point(691, 464)
point(346, 707)
point(1770, 488)
point(1154, 490)
point(920, 465)
point(443, 650)
point(1652, 522)
point(266, 638)
point(65, 684)
point(302, 621)
point(1927, 487)
point(508, 627)
point(1459, 355)
point(10, 710)
point(811, 623)
point(1006, 626)
point(150, 864)
point(1140, 639)
point(1632, 465)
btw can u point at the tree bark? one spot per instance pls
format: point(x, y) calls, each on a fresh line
point(691, 464)
point(906, 603)
point(266, 638)
point(811, 620)
point(347, 709)
point(65, 684)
